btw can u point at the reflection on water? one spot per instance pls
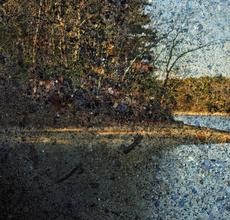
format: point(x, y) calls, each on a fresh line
point(217, 122)
point(194, 180)
point(194, 183)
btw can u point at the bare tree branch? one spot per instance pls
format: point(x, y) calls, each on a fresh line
point(185, 53)
point(174, 44)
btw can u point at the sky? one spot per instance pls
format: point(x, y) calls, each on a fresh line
point(210, 17)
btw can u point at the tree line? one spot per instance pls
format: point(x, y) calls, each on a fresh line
point(110, 50)
point(202, 94)
point(102, 46)
point(77, 37)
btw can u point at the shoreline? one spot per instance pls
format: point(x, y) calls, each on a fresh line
point(176, 133)
point(180, 113)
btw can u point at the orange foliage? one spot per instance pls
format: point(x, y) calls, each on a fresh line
point(99, 70)
point(201, 135)
point(140, 67)
point(110, 49)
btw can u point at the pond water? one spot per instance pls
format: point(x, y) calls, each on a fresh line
point(193, 183)
point(194, 180)
point(217, 122)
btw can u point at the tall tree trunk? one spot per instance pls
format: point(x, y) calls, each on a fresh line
point(21, 52)
point(164, 86)
point(38, 23)
point(76, 51)
point(62, 39)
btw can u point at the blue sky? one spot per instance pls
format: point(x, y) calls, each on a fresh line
point(212, 18)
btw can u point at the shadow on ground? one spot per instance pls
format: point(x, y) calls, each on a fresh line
point(81, 174)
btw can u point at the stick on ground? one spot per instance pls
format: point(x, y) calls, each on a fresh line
point(137, 141)
point(78, 168)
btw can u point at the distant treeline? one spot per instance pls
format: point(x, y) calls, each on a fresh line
point(203, 94)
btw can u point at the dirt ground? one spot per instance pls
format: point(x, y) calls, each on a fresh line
point(87, 173)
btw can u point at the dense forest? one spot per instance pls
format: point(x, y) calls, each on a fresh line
point(90, 56)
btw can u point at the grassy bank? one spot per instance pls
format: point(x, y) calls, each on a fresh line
point(176, 132)
point(86, 173)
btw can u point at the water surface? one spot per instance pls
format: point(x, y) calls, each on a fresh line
point(217, 122)
point(194, 180)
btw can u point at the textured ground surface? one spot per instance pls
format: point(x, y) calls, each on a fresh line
point(85, 174)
